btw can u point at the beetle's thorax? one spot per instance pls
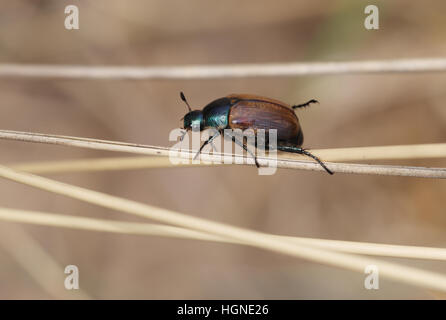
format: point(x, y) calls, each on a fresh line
point(216, 113)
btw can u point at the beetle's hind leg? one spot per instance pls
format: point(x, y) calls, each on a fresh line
point(305, 152)
point(306, 104)
point(244, 146)
point(299, 150)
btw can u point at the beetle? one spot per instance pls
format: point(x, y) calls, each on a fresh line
point(247, 111)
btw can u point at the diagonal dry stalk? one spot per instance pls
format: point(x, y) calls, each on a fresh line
point(38, 263)
point(431, 150)
point(394, 271)
point(138, 228)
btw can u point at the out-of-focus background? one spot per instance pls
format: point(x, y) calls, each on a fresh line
point(354, 110)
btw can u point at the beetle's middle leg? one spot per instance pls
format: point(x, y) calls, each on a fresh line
point(244, 146)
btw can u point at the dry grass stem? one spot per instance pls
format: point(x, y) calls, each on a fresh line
point(436, 151)
point(221, 71)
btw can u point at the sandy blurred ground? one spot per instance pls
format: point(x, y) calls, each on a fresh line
point(355, 110)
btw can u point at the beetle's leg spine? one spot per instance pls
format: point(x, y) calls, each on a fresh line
point(306, 104)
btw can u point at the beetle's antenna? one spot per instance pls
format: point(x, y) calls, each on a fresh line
point(185, 101)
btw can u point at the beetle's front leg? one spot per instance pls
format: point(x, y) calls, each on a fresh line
point(205, 143)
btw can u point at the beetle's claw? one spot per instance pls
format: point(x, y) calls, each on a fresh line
point(214, 148)
point(257, 163)
point(182, 136)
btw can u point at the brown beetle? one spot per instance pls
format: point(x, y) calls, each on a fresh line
point(247, 111)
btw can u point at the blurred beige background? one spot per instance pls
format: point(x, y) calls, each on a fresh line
point(354, 110)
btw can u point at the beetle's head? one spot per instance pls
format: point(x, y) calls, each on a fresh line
point(192, 119)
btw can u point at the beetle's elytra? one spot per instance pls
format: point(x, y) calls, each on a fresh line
point(247, 111)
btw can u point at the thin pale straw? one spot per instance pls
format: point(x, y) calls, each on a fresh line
point(418, 151)
point(138, 228)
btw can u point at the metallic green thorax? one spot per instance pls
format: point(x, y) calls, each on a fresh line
point(216, 114)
